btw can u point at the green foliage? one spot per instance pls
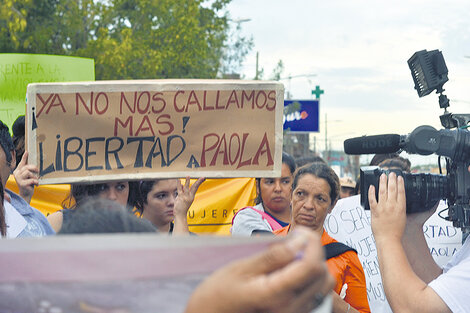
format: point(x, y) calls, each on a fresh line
point(129, 39)
point(235, 51)
point(277, 71)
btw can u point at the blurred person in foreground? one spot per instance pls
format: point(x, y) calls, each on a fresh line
point(315, 193)
point(413, 282)
point(100, 215)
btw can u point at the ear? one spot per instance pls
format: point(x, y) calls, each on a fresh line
point(13, 160)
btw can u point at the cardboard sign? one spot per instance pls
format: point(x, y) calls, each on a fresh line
point(17, 70)
point(115, 130)
point(349, 223)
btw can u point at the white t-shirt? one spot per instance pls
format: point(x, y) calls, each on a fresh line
point(248, 220)
point(454, 284)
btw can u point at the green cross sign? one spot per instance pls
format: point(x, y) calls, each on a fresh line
point(317, 92)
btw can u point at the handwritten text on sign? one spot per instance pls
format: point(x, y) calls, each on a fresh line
point(101, 130)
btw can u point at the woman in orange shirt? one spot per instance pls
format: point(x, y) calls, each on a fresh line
point(315, 192)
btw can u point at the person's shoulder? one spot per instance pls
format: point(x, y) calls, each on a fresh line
point(282, 231)
point(248, 211)
point(247, 220)
point(326, 238)
point(351, 258)
point(20, 204)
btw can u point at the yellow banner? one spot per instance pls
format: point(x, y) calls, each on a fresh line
point(216, 201)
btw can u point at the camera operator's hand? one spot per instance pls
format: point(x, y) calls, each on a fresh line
point(389, 213)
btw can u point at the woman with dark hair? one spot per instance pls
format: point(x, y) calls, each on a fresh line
point(315, 192)
point(96, 215)
point(272, 210)
point(165, 203)
point(123, 192)
point(18, 129)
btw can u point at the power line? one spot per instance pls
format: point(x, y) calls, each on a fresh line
point(297, 76)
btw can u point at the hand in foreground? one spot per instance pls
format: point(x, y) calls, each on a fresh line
point(186, 196)
point(26, 177)
point(290, 276)
point(389, 213)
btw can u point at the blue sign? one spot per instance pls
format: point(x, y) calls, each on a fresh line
point(305, 119)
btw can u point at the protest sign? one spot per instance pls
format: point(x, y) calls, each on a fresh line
point(18, 70)
point(351, 224)
point(115, 130)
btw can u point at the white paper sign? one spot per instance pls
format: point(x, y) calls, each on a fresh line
point(350, 223)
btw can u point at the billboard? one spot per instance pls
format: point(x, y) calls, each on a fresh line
point(301, 115)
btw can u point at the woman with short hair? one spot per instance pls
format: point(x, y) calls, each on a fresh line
point(315, 190)
point(123, 192)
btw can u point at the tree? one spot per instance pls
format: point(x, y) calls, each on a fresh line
point(235, 51)
point(277, 71)
point(26, 26)
point(129, 39)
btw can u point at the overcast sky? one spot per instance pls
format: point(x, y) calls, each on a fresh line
point(358, 51)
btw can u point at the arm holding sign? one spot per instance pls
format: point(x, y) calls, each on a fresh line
point(26, 176)
point(405, 290)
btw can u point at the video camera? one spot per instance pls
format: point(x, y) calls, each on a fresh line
point(429, 73)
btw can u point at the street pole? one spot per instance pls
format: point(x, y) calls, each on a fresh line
point(326, 135)
point(256, 76)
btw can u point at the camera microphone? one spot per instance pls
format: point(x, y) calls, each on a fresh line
point(389, 143)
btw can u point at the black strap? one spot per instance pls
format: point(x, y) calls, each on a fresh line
point(336, 248)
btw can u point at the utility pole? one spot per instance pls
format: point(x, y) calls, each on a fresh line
point(257, 72)
point(326, 134)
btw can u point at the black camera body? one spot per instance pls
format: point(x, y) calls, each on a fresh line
point(424, 190)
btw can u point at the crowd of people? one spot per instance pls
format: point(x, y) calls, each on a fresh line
point(295, 275)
